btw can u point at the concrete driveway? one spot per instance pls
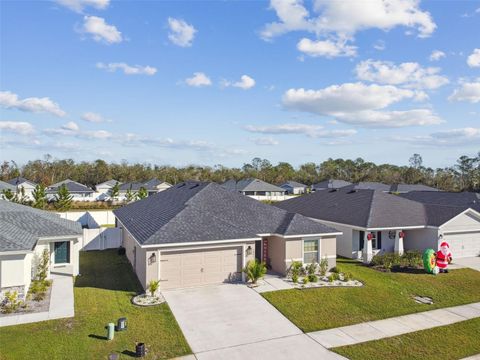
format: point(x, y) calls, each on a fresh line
point(470, 262)
point(234, 322)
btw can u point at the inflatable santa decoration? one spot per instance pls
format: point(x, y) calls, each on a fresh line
point(444, 257)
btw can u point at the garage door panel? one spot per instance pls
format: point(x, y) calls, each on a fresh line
point(199, 267)
point(464, 244)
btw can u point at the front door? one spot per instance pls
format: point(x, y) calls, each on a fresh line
point(62, 252)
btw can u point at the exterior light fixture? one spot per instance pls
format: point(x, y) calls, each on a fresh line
point(152, 259)
point(249, 251)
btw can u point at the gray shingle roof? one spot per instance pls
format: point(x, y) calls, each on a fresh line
point(21, 226)
point(250, 185)
point(330, 184)
point(133, 186)
point(6, 186)
point(363, 208)
point(293, 184)
point(199, 211)
point(110, 183)
point(369, 185)
point(153, 183)
point(72, 186)
point(411, 187)
point(20, 180)
point(377, 209)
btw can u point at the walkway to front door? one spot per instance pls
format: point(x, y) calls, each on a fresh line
point(234, 322)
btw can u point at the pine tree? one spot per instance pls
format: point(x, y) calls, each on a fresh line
point(142, 193)
point(39, 197)
point(63, 199)
point(130, 195)
point(115, 191)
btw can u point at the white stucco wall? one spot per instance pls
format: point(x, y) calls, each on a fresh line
point(15, 270)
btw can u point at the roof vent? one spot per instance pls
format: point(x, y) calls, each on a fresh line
point(351, 191)
point(181, 185)
point(194, 186)
point(332, 190)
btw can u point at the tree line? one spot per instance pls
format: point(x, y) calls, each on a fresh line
point(461, 176)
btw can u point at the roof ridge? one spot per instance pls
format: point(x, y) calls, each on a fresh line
point(372, 199)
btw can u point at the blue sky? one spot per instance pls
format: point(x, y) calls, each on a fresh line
point(222, 82)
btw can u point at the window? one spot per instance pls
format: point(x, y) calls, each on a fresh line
point(310, 251)
point(376, 240)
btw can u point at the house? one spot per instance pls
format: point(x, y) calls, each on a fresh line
point(369, 185)
point(102, 190)
point(394, 223)
point(198, 233)
point(256, 189)
point(79, 192)
point(133, 187)
point(4, 186)
point(330, 184)
point(154, 186)
point(26, 233)
point(293, 187)
point(22, 183)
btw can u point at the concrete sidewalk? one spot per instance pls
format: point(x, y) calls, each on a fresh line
point(375, 330)
point(61, 304)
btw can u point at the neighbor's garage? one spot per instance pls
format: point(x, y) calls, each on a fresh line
point(464, 244)
point(199, 267)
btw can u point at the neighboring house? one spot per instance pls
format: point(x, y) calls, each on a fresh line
point(256, 189)
point(330, 184)
point(154, 186)
point(4, 186)
point(369, 185)
point(358, 213)
point(27, 185)
point(198, 233)
point(79, 192)
point(102, 190)
point(293, 187)
point(25, 233)
point(134, 187)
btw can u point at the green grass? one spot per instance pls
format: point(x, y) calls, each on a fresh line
point(102, 295)
point(383, 295)
point(448, 342)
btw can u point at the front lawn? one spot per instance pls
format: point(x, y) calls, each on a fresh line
point(102, 295)
point(448, 342)
point(384, 295)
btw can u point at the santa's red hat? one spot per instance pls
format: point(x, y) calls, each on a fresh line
point(444, 244)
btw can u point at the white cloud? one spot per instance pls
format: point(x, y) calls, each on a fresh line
point(265, 141)
point(97, 134)
point(313, 131)
point(380, 45)
point(181, 33)
point(92, 117)
point(409, 74)
point(128, 69)
point(390, 119)
point(245, 83)
point(361, 105)
point(71, 126)
point(198, 79)
point(451, 137)
point(473, 59)
point(79, 5)
point(348, 97)
point(468, 91)
point(326, 48)
point(345, 19)
point(437, 55)
point(10, 100)
point(100, 30)
point(17, 127)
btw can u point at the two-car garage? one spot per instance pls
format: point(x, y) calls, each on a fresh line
point(463, 244)
point(199, 267)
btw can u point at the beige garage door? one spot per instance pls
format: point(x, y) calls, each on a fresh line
point(199, 267)
point(464, 244)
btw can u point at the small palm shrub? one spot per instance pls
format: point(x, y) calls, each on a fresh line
point(153, 286)
point(38, 289)
point(255, 270)
point(295, 271)
point(347, 276)
point(323, 266)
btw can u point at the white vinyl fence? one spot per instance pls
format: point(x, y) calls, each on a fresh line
point(101, 238)
point(92, 219)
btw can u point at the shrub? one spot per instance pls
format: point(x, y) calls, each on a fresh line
point(295, 270)
point(153, 286)
point(312, 278)
point(323, 266)
point(312, 268)
point(42, 267)
point(38, 289)
point(377, 260)
point(331, 277)
point(255, 270)
point(335, 270)
point(347, 276)
point(412, 258)
point(305, 280)
point(11, 303)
